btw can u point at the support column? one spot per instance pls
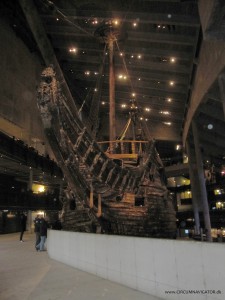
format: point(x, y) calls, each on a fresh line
point(112, 110)
point(221, 81)
point(30, 183)
point(202, 185)
point(29, 222)
point(194, 190)
point(99, 206)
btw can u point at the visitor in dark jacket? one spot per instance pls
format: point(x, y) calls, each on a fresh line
point(37, 221)
point(23, 225)
point(43, 234)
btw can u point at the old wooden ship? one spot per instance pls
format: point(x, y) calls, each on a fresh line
point(116, 186)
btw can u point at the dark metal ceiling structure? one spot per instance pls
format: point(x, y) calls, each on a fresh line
point(155, 55)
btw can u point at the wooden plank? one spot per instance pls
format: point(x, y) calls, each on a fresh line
point(121, 155)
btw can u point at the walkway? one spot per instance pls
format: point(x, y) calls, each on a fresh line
point(29, 275)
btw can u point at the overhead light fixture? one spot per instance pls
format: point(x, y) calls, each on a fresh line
point(210, 126)
point(164, 112)
point(116, 22)
point(73, 50)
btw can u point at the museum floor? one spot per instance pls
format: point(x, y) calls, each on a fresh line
point(27, 274)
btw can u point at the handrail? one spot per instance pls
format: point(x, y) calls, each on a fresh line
point(123, 141)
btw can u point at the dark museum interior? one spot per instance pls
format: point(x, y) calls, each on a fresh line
point(129, 78)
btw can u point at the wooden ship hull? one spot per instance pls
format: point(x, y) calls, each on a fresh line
point(101, 192)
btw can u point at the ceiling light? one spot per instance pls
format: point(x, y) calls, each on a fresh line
point(169, 16)
point(95, 90)
point(210, 126)
point(121, 76)
point(87, 73)
point(57, 19)
point(167, 123)
point(159, 26)
point(132, 56)
point(139, 56)
point(141, 118)
point(171, 83)
point(123, 105)
point(139, 79)
point(73, 50)
point(172, 59)
point(169, 99)
point(121, 53)
point(103, 103)
point(164, 112)
point(133, 94)
point(134, 24)
point(41, 189)
point(95, 21)
point(116, 22)
point(147, 109)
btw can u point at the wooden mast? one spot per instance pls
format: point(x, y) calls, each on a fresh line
point(112, 113)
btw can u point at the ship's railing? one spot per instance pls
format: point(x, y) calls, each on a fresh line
point(123, 149)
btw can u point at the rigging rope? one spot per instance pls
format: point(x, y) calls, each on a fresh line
point(81, 108)
point(94, 109)
point(50, 4)
point(124, 131)
point(146, 129)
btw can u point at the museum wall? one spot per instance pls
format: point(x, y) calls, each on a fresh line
point(19, 76)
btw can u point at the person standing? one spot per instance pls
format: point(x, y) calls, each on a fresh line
point(37, 221)
point(23, 225)
point(43, 234)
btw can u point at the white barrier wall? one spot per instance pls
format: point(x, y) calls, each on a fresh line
point(168, 269)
